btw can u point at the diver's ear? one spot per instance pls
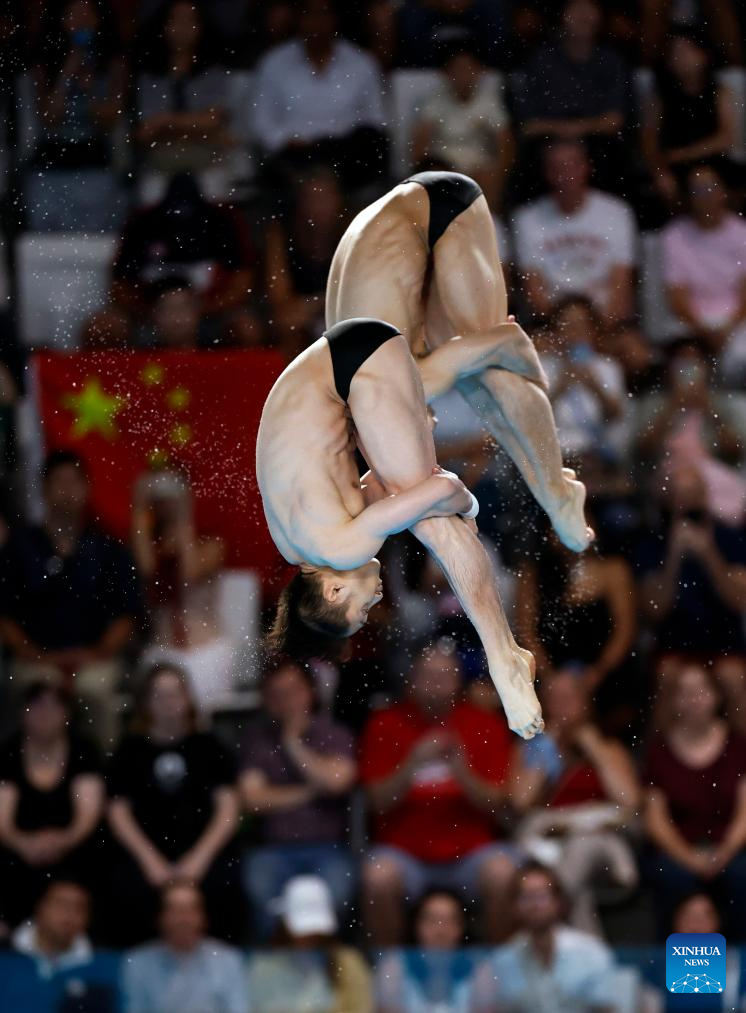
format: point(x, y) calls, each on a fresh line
point(335, 592)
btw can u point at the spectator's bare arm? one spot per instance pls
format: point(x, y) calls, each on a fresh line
point(422, 138)
point(535, 290)
point(525, 787)
point(332, 775)
point(87, 793)
point(116, 637)
point(621, 597)
point(125, 828)
point(483, 794)
point(259, 796)
point(14, 637)
point(663, 833)
point(613, 764)
point(716, 144)
point(527, 615)
point(734, 838)
point(621, 302)
point(220, 829)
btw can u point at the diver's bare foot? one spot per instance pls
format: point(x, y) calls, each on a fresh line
point(519, 700)
point(569, 520)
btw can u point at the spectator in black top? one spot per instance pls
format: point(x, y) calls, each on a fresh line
point(173, 809)
point(69, 597)
point(690, 119)
point(51, 802)
point(576, 89)
point(185, 235)
point(298, 254)
point(181, 96)
point(694, 575)
point(79, 79)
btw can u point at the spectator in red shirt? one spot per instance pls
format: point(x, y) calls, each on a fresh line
point(696, 800)
point(434, 766)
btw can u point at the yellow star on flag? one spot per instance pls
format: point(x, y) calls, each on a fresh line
point(158, 458)
point(94, 410)
point(178, 398)
point(180, 434)
point(152, 374)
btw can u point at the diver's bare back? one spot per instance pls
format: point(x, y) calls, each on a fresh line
point(305, 459)
point(380, 266)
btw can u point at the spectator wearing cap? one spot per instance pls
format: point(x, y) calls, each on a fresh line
point(184, 236)
point(53, 963)
point(318, 98)
point(185, 971)
point(309, 968)
point(577, 240)
point(297, 770)
point(434, 767)
point(465, 124)
point(705, 272)
point(69, 597)
point(173, 809)
point(51, 802)
point(547, 967)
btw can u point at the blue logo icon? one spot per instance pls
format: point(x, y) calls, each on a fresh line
point(695, 963)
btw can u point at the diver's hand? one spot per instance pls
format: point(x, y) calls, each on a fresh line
point(456, 497)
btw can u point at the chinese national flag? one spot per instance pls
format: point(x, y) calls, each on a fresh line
point(127, 412)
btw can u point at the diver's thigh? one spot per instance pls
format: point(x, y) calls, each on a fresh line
point(467, 292)
point(387, 404)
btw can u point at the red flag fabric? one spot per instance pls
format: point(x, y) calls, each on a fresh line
point(126, 412)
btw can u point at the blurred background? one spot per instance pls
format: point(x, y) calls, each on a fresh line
point(185, 827)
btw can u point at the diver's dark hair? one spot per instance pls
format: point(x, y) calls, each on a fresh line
point(306, 625)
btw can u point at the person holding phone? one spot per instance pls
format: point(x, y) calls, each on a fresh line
point(586, 388)
point(694, 575)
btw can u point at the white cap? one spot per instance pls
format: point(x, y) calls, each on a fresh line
point(306, 907)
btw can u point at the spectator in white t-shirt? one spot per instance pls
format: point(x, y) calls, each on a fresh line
point(576, 240)
point(465, 124)
point(586, 388)
point(319, 98)
point(704, 266)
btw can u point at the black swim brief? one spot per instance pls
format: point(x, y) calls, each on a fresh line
point(450, 194)
point(351, 342)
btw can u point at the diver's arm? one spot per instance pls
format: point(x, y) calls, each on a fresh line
point(442, 494)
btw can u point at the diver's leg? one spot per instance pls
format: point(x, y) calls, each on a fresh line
point(388, 409)
point(467, 297)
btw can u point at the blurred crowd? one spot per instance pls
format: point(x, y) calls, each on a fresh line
point(367, 834)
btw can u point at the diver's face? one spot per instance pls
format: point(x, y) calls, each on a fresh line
point(364, 590)
point(356, 591)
